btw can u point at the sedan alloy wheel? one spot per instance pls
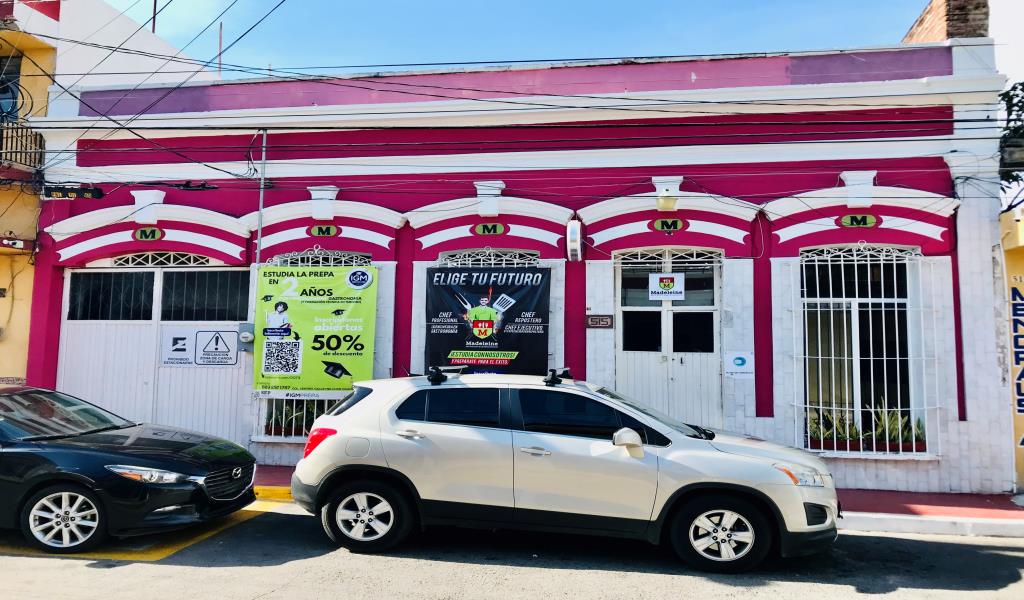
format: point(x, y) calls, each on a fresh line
point(64, 520)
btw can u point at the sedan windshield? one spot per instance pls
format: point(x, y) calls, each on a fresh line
point(38, 414)
point(687, 430)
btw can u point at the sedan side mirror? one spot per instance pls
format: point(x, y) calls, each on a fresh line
point(630, 440)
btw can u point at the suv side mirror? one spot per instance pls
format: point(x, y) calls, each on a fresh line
point(630, 440)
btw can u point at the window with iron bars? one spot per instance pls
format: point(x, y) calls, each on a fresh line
point(293, 417)
point(864, 361)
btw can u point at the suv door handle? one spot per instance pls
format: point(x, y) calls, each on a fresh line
point(535, 451)
point(410, 434)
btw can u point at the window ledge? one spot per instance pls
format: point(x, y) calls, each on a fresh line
point(920, 456)
point(278, 439)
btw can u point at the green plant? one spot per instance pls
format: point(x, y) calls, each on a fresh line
point(894, 425)
point(890, 424)
point(1013, 133)
point(829, 424)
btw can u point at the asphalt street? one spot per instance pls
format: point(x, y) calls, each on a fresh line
point(282, 553)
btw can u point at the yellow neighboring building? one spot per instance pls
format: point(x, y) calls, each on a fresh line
point(1012, 233)
point(23, 93)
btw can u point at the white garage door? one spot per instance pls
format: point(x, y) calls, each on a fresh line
point(160, 345)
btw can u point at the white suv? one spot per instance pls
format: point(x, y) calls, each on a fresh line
point(522, 452)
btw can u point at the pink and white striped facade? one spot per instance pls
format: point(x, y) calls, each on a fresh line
point(764, 158)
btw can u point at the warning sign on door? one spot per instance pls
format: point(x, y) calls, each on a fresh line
point(216, 347)
point(190, 346)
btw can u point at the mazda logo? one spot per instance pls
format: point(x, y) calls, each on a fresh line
point(236, 473)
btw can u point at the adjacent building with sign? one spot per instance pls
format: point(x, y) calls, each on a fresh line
point(38, 55)
point(796, 246)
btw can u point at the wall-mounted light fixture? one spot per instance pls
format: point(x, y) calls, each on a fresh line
point(574, 240)
point(667, 189)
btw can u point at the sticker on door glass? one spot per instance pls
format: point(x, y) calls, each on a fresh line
point(666, 286)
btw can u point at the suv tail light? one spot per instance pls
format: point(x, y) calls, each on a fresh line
point(317, 436)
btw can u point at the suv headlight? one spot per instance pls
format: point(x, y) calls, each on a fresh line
point(147, 475)
point(802, 475)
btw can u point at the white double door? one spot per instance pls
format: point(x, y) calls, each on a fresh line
point(684, 385)
point(668, 353)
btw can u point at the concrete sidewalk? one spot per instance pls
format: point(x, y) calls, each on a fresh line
point(915, 512)
point(863, 510)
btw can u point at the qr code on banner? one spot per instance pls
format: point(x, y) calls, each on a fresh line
point(282, 357)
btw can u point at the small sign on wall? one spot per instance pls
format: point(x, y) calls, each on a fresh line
point(738, 365)
point(193, 346)
point(666, 286)
point(600, 321)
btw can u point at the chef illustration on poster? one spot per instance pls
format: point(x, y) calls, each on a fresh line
point(489, 320)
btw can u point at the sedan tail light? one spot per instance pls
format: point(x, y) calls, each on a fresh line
point(316, 437)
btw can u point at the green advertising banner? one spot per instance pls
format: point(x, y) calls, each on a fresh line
point(314, 330)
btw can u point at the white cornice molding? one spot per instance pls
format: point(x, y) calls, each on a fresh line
point(614, 207)
point(307, 209)
point(465, 207)
point(875, 148)
point(153, 214)
point(928, 91)
point(973, 164)
point(878, 195)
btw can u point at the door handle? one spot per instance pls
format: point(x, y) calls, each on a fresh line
point(410, 434)
point(535, 451)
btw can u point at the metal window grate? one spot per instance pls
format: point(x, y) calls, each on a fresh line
point(205, 295)
point(490, 257)
point(111, 296)
point(161, 259)
point(866, 318)
point(658, 259)
point(318, 257)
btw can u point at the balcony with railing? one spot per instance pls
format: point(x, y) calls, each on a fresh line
point(21, 150)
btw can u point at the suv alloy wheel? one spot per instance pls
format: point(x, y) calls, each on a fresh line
point(367, 516)
point(721, 533)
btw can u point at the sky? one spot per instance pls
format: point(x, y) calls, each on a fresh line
point(362, 32)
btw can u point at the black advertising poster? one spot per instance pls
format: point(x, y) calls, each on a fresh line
point(492, 320)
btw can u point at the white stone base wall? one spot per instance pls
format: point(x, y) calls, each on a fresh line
point(963, 456)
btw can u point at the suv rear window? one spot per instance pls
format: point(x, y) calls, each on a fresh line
point(478, 407)
point(351, 400)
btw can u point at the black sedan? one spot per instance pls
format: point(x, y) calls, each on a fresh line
point(72, 474)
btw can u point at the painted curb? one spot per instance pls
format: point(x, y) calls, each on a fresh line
point(273, 493)
point(890, 523)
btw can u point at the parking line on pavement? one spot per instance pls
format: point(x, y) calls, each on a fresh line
point(159, 546)
point(274, 493)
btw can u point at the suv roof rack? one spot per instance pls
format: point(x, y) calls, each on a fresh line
point(438, 375)
point(555, 376)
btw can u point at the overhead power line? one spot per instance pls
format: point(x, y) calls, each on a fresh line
point(341, 82)
point(150, 75)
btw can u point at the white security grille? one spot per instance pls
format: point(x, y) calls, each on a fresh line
point(292, 417)
point(161, 259)
point(490, 257)
point(660, 259)
point(318, 257)
point(868, 362)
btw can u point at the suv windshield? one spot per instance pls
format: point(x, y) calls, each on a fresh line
point(687, 430)
point(38, 414)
